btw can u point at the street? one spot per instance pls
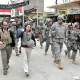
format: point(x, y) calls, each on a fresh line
point(41, 67)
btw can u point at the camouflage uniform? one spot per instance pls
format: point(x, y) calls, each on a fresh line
point(58, 38)
point(47, 37)
point(58, 33)
point(34, 28)
point(68, 43)
point(75, 41)
point(41, 30)
point(78, 40)
point(74, 44)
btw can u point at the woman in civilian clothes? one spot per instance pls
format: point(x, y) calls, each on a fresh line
point(27, 43)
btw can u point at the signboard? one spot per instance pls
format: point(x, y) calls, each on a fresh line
point(74, 11)
point(12, 6)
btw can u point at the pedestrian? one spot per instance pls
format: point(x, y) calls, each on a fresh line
point(27, 43)
point(58, 33)
point(14, 30)
point(7, 41)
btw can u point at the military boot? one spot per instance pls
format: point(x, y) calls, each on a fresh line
point(5, 73)
point(73, 58)
point(59, 65)
point(55, 61)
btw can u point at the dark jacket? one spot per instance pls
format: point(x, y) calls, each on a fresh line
point(13, 39)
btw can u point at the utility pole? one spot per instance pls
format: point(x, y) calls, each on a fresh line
point(56, 4)
point(23, 14)
point(37, 13)
point(23, 11)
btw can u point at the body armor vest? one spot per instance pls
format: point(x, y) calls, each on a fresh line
point(5, 37)
point(26, 39)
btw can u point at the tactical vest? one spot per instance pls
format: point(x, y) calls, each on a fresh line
point(26, 37)
point(14, 31)
point(5, 37)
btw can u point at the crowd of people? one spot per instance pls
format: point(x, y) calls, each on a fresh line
point(53, 33)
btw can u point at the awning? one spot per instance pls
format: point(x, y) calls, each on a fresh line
point(63, 6)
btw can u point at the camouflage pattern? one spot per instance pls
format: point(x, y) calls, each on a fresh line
point(47, 37)
point(68, 43)
point(40, 31)
point(58, 34)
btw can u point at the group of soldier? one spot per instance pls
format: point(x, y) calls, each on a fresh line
point(55, 34)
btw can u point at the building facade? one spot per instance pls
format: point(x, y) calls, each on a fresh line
point(71, 7)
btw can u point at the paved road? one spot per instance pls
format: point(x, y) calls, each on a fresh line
point(41, 67)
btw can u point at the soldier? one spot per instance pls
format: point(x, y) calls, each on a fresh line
point(75, 41)
point(41, 30)
point(33, 28)
point(69, 43)
point(14, 30)
point(27, 43)
point(7, 41)
point(78, 36)
point(58, 33)
point(47, 36)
